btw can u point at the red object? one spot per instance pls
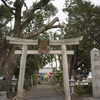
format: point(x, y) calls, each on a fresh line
point(51, 74)
point(39, 76)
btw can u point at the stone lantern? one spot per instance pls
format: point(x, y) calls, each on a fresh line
point(13, 83)
point(72, 85)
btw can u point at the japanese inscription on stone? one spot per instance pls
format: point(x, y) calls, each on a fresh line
point(95, 65)
point(43, 46)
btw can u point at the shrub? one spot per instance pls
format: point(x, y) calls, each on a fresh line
point(88, 88)
point(58, 77)
point(39, 82)
point(1, 83)
point(26, 85)
point(79, 89)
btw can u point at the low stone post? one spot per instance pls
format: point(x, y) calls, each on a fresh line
point(95, 66)
point(3, 95)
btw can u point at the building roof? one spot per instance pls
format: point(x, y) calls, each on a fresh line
point(1, 77)
point(46, 70)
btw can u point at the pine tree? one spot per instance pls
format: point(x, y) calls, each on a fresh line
point(34, 17)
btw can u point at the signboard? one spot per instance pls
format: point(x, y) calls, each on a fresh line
point(43, 46)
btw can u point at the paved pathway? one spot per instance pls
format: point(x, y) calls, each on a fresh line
point(43, 92)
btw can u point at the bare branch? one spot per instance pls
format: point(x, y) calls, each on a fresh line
point(2, 25)
point(55, 26)
point(42, 29)
point(25, 6)
point(37, 6)
point(80, 63)
point(5, 3)
point(52, 22)
point(11, 9)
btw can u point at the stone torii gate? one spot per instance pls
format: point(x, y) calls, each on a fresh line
point(24, 52)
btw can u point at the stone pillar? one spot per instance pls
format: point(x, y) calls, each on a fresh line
point(95, 66)
point(22, 72)
point(65, 73)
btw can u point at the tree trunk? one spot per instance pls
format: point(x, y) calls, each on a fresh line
point(75, 73)
point(71, 67)
point(3, 52)
point(8, 69)
point(10, 61)
point(60, 62)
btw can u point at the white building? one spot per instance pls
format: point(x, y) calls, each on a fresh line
point(46, 70)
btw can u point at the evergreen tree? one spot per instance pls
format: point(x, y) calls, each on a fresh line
point(83, 20)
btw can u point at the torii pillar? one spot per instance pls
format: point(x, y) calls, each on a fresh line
point(22, 72)
point(65, 73)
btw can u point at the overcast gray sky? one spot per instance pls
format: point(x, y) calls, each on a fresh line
point(60, 5)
